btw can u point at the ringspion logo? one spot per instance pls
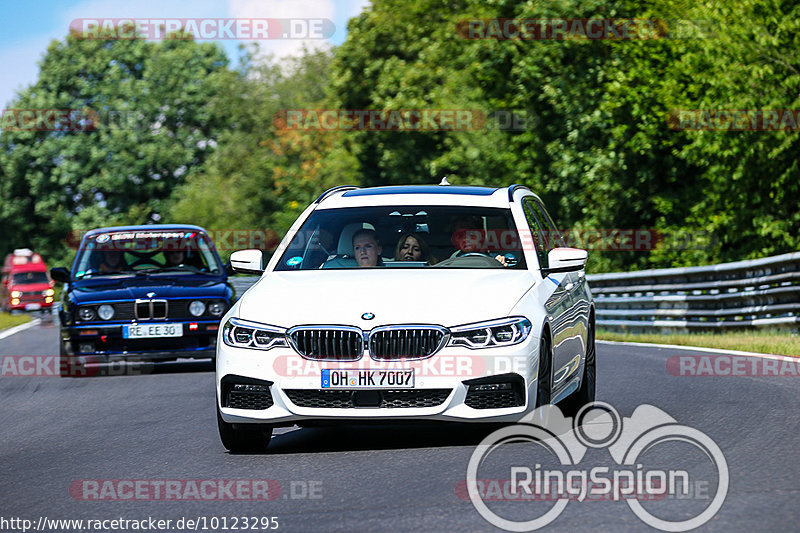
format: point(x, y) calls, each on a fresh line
point(661, 497)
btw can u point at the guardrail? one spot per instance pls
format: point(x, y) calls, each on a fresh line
point(756, 293)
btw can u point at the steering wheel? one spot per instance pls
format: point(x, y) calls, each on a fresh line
point(509, 259)
point(479, 254)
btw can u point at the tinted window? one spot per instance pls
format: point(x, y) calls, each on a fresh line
point(405, 237)
point(21, 278)
point(122, 252)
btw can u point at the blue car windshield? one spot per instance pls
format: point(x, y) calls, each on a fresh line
point(405, 236)
point(152, 252)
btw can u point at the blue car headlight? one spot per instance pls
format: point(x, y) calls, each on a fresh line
point(493, 333)
point(245, 334)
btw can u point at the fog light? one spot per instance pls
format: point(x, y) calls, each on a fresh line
point(86, 348)
point(241, 387)
point(14, 301)
point(486, 387)
point(48, 300)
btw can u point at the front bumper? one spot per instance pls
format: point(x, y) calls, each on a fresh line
point(31, 305)
point(104, 342)
point(279, 387)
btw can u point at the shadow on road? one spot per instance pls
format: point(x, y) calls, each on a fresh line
point(346, 438)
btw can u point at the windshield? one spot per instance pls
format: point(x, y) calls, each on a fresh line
point(24, 278)
point(136, 252)
point(405, 237)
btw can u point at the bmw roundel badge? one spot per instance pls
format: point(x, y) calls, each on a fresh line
point(368, 316)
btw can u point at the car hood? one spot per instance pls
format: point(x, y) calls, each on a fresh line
point(445, 297)
point(132, 288)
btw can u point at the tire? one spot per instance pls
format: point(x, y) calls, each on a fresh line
point(544, 380)
point(586, 394)
point(68, 365)
point(238, 440)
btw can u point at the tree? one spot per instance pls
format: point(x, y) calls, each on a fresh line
point(141, 121)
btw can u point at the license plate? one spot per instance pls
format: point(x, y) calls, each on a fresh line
point(367, 379)
point(33, 307)
point(148, 331)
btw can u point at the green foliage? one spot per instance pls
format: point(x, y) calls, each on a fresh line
point(154, 125)
point(261, 176)
point(598, 143)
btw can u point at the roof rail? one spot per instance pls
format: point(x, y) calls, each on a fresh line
point(333, 190)
point(513, 189)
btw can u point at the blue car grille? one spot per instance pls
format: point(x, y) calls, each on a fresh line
point(175, 310)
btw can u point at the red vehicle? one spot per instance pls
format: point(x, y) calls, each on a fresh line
point(25, 286)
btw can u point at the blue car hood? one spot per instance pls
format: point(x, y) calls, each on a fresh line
point(94, 290)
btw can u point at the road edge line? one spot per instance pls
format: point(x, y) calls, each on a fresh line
point(705, 349)
point(22, 327)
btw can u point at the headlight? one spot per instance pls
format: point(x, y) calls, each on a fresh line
point(48, 292)
point(244, 334)
point(197, 308)
point(86, 314)
point(502, 332)
point(106, 312)
point(16, 294)
point(216, 308)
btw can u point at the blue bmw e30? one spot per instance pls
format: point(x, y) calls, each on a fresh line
point(149, 293)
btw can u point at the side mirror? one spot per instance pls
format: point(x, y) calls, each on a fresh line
point(60, 274)
point(247, 262)
point(565, 260)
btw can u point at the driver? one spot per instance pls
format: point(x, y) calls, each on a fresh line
point(465, 231)
point(175, 257)
point(112, 261)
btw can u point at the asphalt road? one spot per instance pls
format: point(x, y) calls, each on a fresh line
point(58, 432)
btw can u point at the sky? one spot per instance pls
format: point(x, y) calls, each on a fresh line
point(29, 27)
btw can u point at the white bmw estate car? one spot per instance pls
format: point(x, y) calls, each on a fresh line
point(431, 302)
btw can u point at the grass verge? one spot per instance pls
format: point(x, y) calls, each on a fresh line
point(774, 342)
point(9, 321)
